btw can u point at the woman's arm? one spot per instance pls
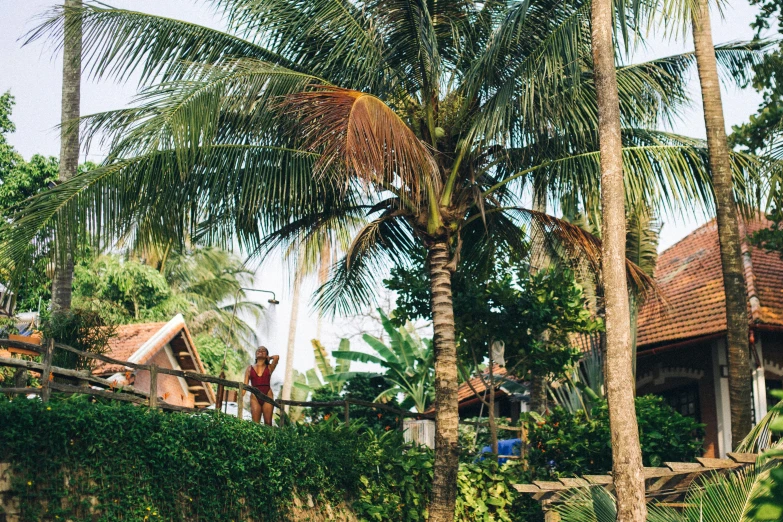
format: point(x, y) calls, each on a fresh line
point(273, 364)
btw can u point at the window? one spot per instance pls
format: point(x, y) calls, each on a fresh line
point(685, 400)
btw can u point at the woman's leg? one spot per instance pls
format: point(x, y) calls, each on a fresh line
point(268, 409)
point(255, 409)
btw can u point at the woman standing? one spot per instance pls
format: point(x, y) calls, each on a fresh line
point(259, 377)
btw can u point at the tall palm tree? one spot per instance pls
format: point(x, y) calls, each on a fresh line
point(627, 466)
point(728, 225)
point(424, 118)
point(62, 283)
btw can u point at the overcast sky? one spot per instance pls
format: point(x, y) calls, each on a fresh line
point(33, 75)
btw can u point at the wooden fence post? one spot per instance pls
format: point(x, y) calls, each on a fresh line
point(153, 387)
point(240, 401)
point(347, 413)
point(46, 374)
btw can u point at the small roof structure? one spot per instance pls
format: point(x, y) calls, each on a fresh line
point(690, 278)
point(467, 397)
point(668, 483)
point(138, 343)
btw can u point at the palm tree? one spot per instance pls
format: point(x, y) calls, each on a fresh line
point(62, 283)
point(728, 225)
point(424, 118)
point(627, 464)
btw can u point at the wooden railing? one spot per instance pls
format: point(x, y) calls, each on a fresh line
point(127, 393)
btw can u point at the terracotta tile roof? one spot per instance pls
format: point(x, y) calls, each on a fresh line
point(690, 278)
point(465, 394)
point(129, 338)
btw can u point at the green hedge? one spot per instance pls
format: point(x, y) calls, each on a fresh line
point(136, 464)
point(571, 444)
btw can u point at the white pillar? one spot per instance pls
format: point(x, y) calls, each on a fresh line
point(723, 410)
point(759, 382)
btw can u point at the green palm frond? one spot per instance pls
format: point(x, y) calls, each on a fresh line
point(118, 43)
point(331, 38)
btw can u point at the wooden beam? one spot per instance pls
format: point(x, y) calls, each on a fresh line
point(38, 349)
point(527, 488)
point(46, 372)
point(684, 467)
point(717, 463)
point(153, 400)
point(82, 375)
point(598, 480)
point(118, 396)
point(743, 458)
point(25, 391)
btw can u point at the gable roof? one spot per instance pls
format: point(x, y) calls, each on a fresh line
point(138, 343)
point(690, 278)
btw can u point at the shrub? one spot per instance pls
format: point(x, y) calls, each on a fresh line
point(81, 329)
point(139, 464)
point(568, 444)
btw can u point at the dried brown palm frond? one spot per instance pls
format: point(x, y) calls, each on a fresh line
point(359, 132)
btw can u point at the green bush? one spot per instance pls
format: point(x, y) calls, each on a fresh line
point(567, 445)
point(136, 464)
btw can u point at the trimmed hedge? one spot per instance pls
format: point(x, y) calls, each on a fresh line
point(78, 461)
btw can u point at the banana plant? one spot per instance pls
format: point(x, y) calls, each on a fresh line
point(408, 362)
point(325, 374)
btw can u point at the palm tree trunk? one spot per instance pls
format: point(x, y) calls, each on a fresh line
point(626, 453)
point(288, 377)
point(62, 283)
point(540, 261)
point(444, 482)
point(323, 275)
point(728, 226)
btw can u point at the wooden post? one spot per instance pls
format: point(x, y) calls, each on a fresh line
point(153, 387)
point(240, 400)
point(46, 374)
point(219, 395)
point(347, 413)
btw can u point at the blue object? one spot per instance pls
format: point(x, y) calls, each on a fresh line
point(505, 447)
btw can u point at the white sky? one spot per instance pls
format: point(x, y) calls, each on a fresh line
point(33, 75)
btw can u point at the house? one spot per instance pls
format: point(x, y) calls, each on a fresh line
point(681, 348)
point(509, 402)
point(167, 345)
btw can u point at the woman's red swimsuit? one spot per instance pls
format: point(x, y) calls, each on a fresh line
point(261, 382)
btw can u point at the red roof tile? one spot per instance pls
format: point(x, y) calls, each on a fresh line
point(690, 278)
point(465, 393)
point(129, 338)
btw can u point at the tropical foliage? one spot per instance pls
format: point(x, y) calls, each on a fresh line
point(20, 179)
point(504, 302)
point(407, 361)
point(425, 118)
point(567, 444)
point(204, 285)
point(371, 474)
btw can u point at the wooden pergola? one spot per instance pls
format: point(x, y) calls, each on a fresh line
point(667, 484)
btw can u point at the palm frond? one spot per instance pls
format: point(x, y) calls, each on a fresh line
point(118, 43)
point(358, 131)
point(333, 39)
